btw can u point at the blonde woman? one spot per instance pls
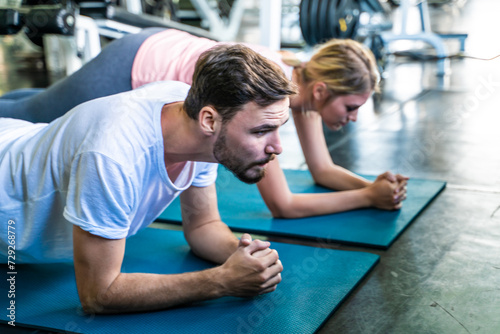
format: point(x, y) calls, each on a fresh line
point(338, 79)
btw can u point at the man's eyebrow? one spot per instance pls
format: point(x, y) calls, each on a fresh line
point(264, 127)
point(267, 127)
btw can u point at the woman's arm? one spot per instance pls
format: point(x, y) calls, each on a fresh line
point(283, 203)
point(320, 164)
point(323, 169)
point(387, 192)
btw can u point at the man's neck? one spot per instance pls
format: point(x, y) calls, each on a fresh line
point(182, 140)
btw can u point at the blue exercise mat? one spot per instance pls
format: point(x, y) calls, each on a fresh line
point(315, 281)
point(243, 209)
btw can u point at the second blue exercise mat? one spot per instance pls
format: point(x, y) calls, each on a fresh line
point(243, 209)
point(314, 283)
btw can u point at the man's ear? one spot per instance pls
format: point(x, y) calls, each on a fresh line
point(209, 120)
point(320, 91)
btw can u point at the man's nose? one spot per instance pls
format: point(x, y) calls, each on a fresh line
point(274, 146)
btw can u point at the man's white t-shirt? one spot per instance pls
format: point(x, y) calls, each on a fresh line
point(101, 167)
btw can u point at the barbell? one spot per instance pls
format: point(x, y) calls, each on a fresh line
point(321, 20)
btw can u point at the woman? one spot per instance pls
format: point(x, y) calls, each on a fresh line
point(333, 85)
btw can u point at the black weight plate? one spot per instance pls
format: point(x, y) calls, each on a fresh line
point(332, 18)
point(10, 21)
point(322, 23)
point(313, 20)
point(355, 10)
point(340, 14)
point(345, 19)
point(304, 21)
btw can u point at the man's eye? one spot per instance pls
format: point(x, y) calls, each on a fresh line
point(260, 133)
point(349, 109)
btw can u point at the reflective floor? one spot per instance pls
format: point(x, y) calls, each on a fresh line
point(443, 274)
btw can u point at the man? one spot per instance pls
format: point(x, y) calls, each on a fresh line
point(88, 180)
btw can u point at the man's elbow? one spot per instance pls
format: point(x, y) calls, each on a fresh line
point(91, 306)
point(95, 303)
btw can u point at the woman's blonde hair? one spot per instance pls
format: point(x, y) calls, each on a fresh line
point(344, 65)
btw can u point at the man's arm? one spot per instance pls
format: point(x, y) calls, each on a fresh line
point(212, 240)
point(104, 289)
point(207, 235)
point(250, 268)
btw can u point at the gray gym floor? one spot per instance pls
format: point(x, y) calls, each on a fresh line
point(443, 274)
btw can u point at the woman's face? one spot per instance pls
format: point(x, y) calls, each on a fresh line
point(338, 112)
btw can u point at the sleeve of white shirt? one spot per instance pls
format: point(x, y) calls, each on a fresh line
point(100, 196)
point(206, 174)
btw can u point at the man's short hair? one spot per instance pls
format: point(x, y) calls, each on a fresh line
point(228, 76)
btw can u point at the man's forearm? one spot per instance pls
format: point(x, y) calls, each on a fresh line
point(242, 275)
point(144, 292)
point(207, 235)
point(212, 241)
point(104, 289)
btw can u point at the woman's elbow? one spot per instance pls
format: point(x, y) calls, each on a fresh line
point(276, 212)
point(284, 211)
point(320, 179)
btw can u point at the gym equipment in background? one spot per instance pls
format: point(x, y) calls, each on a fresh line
point(70, 31)
point(369, 21)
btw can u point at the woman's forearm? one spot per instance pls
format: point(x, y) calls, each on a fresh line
point(305, 205)
point(338, 178)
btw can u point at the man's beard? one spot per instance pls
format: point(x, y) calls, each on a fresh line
point(235, 164)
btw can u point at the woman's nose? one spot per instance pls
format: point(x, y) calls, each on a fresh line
point(353, 117)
